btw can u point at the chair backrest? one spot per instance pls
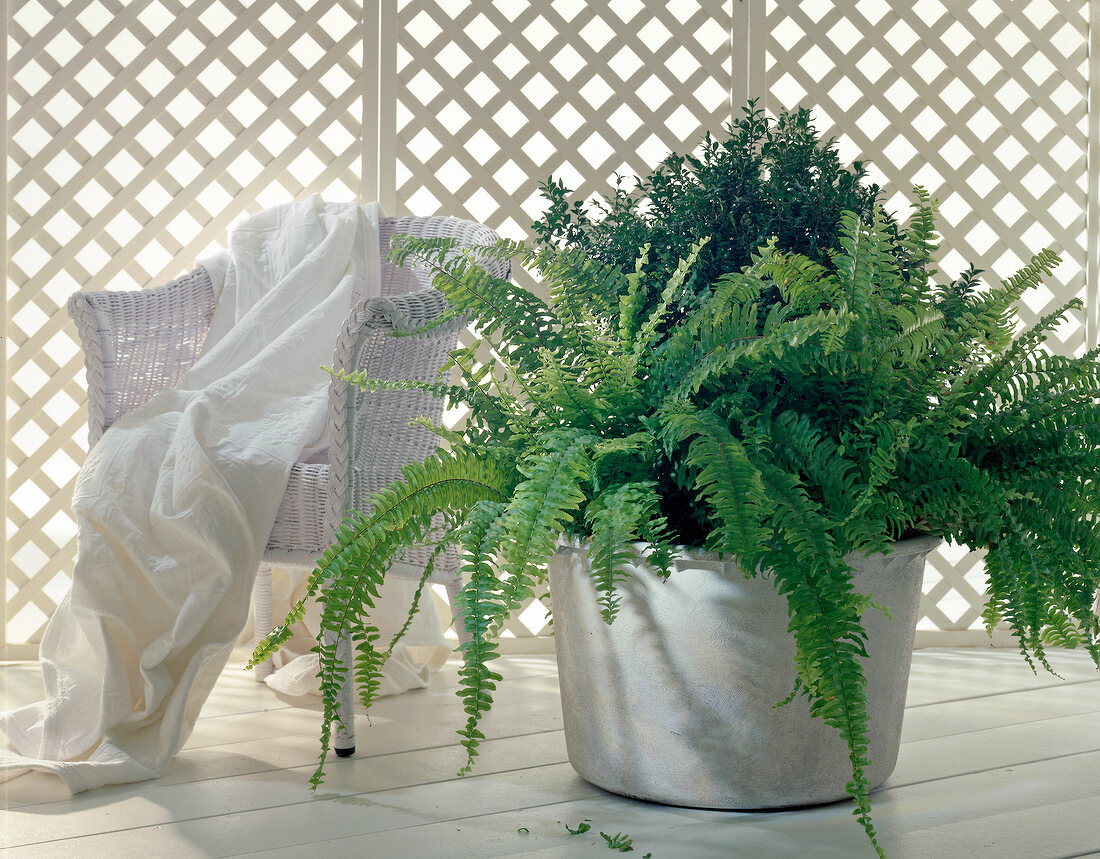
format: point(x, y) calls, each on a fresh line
point(140, 342)
point(137, 343)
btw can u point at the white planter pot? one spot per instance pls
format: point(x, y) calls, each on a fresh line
point(673, 701)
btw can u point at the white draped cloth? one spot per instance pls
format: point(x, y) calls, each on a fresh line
point(175, 503)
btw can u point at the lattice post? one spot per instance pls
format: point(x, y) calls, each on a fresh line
point(4, 20)
point(755, 48)
point(371, 82)
point(1092, 277)
point(388, 35)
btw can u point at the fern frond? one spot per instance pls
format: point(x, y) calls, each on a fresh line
point(493, 306)
point(825, 621)
point(721, 353)
point(729, 482)
point(482, 607)
point(644, 339)
point(864, 267)
point(986, 320)
point(977, 388)
point(580, 288)
point(616, 461)
point(616, 519)
point(632, 301)
point(799, 448)
point(919, 329)
point(365, 545)
point(541, 506)
point(569, 389)
point(920, 241)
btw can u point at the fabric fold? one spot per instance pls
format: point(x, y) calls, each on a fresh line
point(175, 503)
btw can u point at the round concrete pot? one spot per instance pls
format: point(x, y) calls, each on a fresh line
point(673, 701)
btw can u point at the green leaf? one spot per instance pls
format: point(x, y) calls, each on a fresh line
point(730, 483)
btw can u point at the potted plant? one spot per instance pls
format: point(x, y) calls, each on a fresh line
point(796, 420)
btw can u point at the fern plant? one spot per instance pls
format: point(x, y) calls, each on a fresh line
point(855, 406)
point(762, 178)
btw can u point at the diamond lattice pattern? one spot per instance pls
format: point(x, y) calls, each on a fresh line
point(138, 132)
point(493, 98)
point(982, 103)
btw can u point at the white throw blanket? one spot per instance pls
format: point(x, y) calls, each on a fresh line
point(175, 503)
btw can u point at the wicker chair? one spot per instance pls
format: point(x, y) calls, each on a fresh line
point(140, 342)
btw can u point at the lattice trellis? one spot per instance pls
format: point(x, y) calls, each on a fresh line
point(137, 133)
point(138, 130)
point(985, 105)
point(492, 98)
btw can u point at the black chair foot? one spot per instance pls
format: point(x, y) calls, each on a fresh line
point(345, 753)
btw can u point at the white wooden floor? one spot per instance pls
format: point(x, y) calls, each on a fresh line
point(995, 762)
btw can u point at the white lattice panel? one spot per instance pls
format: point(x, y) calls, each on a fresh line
point(983, 103)
point(492, 98)
point(138, 131)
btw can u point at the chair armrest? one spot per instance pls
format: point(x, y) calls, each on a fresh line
point(137, 343)
point(370, 439)
point(398, 280)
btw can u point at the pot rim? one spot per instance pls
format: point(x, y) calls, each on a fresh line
point(909, 546)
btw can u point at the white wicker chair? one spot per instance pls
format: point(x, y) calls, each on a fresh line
point(139, 343)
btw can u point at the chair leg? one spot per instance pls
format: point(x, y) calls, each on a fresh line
point(261, 614)
point(344, 736)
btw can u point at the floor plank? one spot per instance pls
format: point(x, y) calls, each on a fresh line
point(995, 760)
point(976, 714)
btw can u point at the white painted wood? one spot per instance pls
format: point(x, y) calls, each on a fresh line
point(1092, 215)
point(261, 613)
point(976, 714)
point(995, 761)
point(1008, 745)
point(963, 638)
point(948, 675)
